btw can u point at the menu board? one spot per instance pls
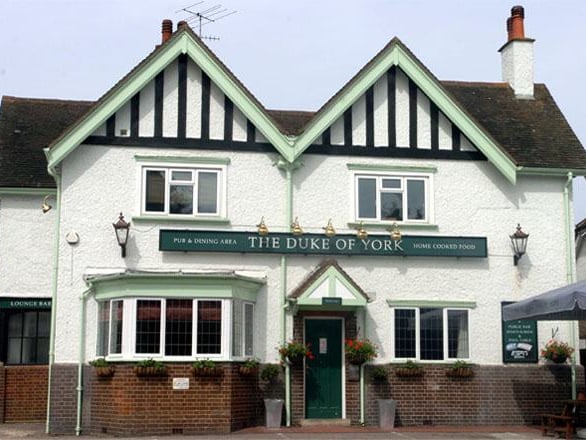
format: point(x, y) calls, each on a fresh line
point(519, 340)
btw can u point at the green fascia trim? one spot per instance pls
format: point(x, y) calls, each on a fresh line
point(176, 286)
point(330, 276)
point(561, 172)
point(437, 304)
point(402, 226)
point(392, 168)
point(168, 219)
point(183, 159)
point(28, 191)
point(143, 75)
point(330, 308)
point(399, 57)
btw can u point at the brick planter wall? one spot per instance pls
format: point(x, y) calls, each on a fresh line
point(24, 393)
point(126, 404)
point(507, 395)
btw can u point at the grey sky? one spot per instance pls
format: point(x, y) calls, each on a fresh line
point(291, 54)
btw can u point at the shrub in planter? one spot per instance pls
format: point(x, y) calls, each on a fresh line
point(409, 369)
point(270, 372)
point(249, 368)
point(102, 367)
point(150, 367)
point(206, 367)
point(380, 374)
point(460, 369)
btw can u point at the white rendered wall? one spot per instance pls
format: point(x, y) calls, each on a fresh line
point(517, 67)
point(26, 246)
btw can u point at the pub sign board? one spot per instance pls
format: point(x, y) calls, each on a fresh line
point(318, 244)
point(519, 340)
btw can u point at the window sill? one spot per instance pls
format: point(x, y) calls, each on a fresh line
point(190, 220)
point(402, 226)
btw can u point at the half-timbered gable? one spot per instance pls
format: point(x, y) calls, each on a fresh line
point(395, 118)
point(181, 107)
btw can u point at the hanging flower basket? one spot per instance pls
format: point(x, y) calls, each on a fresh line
point(293, 353)
point(556, 351)
point(359, 351)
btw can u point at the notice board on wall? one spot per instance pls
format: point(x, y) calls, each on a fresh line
point(519, 340)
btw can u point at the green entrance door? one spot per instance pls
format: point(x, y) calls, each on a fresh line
point(323, 375)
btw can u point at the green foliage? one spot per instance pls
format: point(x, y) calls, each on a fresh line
point(204, 363)
point(295, 350)
point(380, 373)
point(460, 364)
point(270, 371)
point(251, 363)
point(411, 365)
point(99, 362)
point(150, 362)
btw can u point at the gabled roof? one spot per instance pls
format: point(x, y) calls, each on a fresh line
point(184, 41)
point(329, 280)
point(515, 135)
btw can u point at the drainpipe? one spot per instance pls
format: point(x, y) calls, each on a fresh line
point(570, 278)
point(55, 275)
point(81, 359)
point(288, 167)
point(362, 390)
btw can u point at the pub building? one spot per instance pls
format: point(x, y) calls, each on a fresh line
point(406, 211)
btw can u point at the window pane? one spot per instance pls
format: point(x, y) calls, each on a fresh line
point(42, 351)
point(148, 326)
point(13, 351)
point(237, 328)
point(366, 198)
point(103, 327)
point(415, 199)
point(179, 327)
point(15, 325)
point(181, 199)
point(155, 191)
point(405, 333)
point(30, 325)
point(391, 206)
point(29, 351)
point(431, 334)
point(181, 175)
point(392, 183)
point(458, 334)
point(209, 327)
point(207, 193)
point(248, 329)
point(44, 324)
point(116, 330)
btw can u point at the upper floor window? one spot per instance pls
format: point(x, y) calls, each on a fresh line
point(396, 198)
point(430, 333)
point(183, 191)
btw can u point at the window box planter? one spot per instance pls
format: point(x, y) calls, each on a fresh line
point(150, 368)
point(102, 367)
point(206, 368)
point(460, 369)
point(249, 368)
point(409, 369)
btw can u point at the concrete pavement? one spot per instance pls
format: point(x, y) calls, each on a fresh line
point(36, 431)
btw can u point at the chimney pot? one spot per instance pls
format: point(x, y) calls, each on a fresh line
point(516, 28)
point(166, 30)
point(181, 24)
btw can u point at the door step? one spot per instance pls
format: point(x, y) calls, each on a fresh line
point(321, 422)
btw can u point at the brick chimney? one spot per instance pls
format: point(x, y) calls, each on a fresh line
point(166, 30)
point(517, 56)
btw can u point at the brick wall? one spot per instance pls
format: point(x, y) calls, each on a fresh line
point(63, 410)
point(495, 395)
point(24, 393)
point(126, 404)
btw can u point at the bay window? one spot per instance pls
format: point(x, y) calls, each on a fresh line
point(175, 328)
point(431, 333)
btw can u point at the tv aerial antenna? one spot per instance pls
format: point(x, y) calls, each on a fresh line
point(203, 15)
